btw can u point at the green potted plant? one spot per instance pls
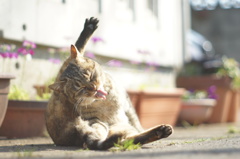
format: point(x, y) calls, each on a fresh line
point(24, 117)
point(226, 79)
point(42, 90)
point(197, 105)
point(230, 69)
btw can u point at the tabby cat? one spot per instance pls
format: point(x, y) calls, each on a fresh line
point(88, 109)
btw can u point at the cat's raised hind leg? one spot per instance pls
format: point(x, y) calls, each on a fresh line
point(152, 134)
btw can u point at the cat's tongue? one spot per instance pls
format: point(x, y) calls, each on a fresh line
point(101, 94)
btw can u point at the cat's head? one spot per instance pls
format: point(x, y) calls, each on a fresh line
point(82, 80)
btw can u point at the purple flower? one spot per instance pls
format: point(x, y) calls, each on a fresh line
point(135, 62)
point(212, 89)
point(31, 51)
point(4, 54)
point(29, 44)
point(13, 55)
point(191, 91)
point(25, 43)
point(114, 63)
point(90, 55)
point(55, 61)
point(25, 51)
point(212, 92)
point(22, 51)
point(96, 39)
point(8, 47)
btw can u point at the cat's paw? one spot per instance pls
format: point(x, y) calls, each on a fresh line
point(163, 131)
point(91, 24)
point(153, 134)
point(110, 141)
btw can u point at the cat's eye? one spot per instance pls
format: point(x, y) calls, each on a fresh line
point(91, 88)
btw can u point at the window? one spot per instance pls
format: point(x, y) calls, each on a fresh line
point(153, 7)
point(212, 4)
point(132, 7)
point(99, 6)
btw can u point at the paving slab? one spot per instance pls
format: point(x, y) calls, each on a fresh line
point(218, 141)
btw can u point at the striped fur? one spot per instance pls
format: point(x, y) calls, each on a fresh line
point(88, 109)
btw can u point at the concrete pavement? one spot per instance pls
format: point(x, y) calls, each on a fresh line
point(218, 141)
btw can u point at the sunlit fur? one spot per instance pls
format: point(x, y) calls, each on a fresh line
point(81, 81)
point(88, 109)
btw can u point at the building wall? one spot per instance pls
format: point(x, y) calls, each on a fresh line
point(125, 29)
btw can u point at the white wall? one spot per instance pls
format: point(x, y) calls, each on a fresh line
point(53, 23)
point(48, 22)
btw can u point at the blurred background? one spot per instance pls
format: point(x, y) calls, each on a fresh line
point(143, 43)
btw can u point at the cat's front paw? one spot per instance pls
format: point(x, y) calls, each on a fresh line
point(163, 131)
point(91, 24)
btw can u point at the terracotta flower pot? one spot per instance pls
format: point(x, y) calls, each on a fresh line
point(226, 108)
point(156, 107)
point(24, 119)
point(4, 90)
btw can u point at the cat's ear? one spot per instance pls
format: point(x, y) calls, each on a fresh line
point(74, 52)
point(57, 86)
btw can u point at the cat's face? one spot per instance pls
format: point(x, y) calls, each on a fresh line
point(82, 80)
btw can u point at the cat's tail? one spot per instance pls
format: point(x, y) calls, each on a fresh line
point(89, 27)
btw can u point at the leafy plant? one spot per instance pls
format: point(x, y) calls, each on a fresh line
point(18, 93)
point(201, 94)
point(25, 153)
point(230, 69)
point(233, 130)
point(126, 145)
point(44, 93)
